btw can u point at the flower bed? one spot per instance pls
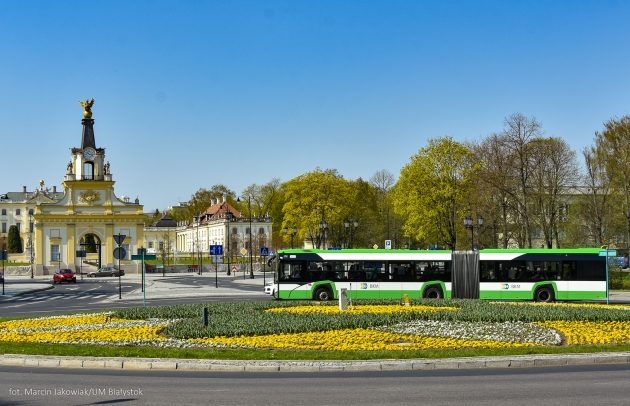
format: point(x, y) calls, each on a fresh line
point(370, 327)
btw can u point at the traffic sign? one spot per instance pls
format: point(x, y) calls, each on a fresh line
point(145, 256)
point(243, 251)
point(264, 251)
point(608, 253)
point(388, 244)
point(119, 238)
point(120, 253)
point(216, 250)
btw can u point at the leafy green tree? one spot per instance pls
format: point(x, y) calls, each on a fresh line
point(315, 202)
point(15, 242)
point(433, 191)
point(89, 243)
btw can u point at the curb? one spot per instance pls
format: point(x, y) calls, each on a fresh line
point(164, 364)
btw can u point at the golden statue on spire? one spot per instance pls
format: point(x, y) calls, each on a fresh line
point(87, 106)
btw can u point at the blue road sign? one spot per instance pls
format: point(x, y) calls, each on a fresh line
point(216, 250)
point(264, 251)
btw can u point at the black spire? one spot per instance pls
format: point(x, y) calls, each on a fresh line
point(87, 138)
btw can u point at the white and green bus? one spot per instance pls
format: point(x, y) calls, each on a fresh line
point(515, 274)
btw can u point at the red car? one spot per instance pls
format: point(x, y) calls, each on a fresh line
point(64, 275)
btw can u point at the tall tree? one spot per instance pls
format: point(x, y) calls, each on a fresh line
point(383, 181)
point(433, 190)
point(553, 176)
point(314, 202)
point(614, 146)
point(15, 242)
point(518, 132)
point(498, 188)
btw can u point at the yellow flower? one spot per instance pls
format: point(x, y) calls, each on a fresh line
point(359, 309)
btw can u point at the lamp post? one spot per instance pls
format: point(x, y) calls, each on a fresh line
point(322, 230)
point(251, 263)
point(350, 225)
point(227, 237)
point(468, 223)
point(30, 240)
point(293, 232)
point(3, 256)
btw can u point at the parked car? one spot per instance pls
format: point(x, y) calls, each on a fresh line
point(106, 271)
point(64, 275)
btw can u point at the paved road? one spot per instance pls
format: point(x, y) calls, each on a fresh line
point(571, 386)
point(38, 296)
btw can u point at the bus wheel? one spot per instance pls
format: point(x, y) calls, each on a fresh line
point(544, 294)
point(322, 294)
point(433, 292)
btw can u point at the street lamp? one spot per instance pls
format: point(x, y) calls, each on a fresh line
point(251, 263)
point(30, 239)
point(468, 223)
point(322, 232)
point(227, 237)
point(350, 225)
point(292, 234)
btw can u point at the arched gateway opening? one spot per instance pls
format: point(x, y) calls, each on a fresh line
point(91, 244)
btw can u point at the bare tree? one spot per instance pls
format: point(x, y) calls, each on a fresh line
point(519, 131)
point(613, 144)
point(553, 173)
point(596, 197)
point(383, 182)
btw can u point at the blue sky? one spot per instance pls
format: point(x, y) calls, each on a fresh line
point(194, 93)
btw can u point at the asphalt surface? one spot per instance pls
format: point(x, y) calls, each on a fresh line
point(187, 285)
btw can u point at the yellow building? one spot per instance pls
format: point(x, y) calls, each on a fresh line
point(84, 217)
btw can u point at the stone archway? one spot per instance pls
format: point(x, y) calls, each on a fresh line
point(91, 244)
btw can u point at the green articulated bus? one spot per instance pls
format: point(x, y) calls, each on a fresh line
point(542, 275)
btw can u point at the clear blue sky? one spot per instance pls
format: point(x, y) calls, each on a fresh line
point(194, 93)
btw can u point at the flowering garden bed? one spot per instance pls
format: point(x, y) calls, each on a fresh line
point(369, 328)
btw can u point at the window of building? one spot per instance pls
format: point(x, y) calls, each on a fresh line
point(54, 252)
point(4, 227)
point(19, 227)
point(88, 170)
point(4, 212)
point(161, 246)
point(17, 212)
point(150, 244)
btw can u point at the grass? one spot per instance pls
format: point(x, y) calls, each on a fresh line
point(265, 355)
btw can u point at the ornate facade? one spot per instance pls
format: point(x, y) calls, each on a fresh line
point(84, 217)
